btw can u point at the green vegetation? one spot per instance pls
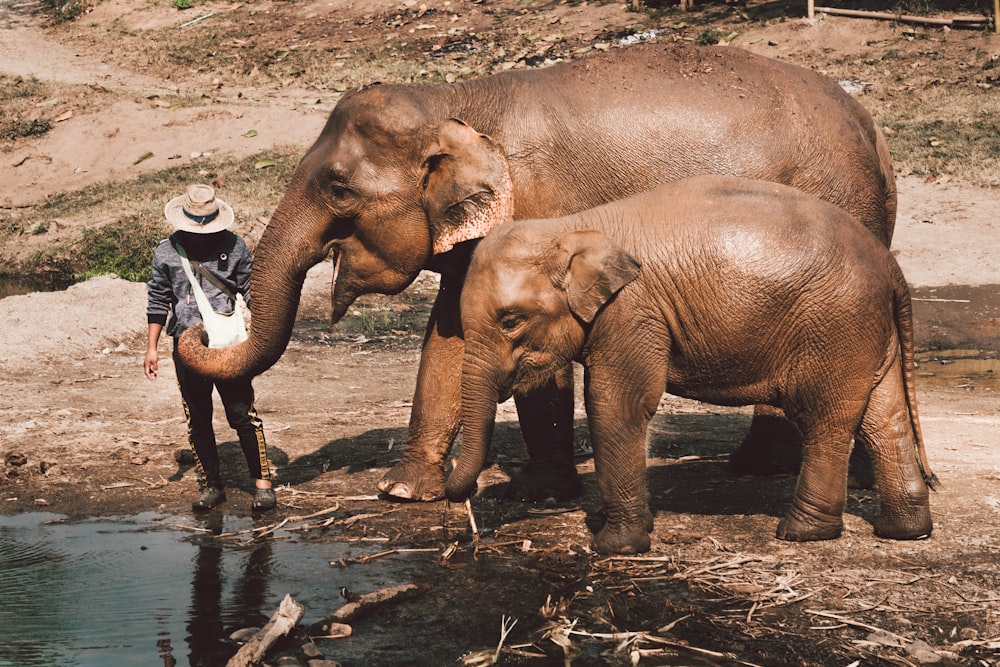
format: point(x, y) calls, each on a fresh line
point(67, 10)
point(17, 128)
point(123, 247)
point(708, 37)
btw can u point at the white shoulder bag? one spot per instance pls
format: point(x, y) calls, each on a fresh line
point(224, 329)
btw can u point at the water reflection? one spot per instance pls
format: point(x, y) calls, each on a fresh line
point(139, 591)
point(206, 627)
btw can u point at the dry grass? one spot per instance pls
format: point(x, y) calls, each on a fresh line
point(23, 109)
point(935, 96)
point(122, 242)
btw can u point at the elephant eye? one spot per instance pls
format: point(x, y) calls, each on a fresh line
point(510, 321)
point(339, 191)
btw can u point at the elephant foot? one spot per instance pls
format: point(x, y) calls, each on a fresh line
point(538, 483)
point(412, 481)
point(772, 447)
point(794, 529)
point(915, 526)
point(624, 537)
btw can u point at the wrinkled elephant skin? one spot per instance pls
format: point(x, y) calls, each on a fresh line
point(718, 289)
point(393, 186)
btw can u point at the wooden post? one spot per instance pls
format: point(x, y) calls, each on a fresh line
point(811, 8)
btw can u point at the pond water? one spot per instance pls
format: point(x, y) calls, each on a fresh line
point(137, 591)
point(13, 286)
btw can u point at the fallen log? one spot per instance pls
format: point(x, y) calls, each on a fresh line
point(283, 621)
point(363, 605)
point(951, 22)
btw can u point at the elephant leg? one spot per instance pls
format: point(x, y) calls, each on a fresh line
point(436, 415)
point(773, 446)
point(821, 492)
point(546, 419)
point(887, 431)
point(619, 413)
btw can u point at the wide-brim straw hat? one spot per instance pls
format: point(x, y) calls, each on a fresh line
point(198, 211)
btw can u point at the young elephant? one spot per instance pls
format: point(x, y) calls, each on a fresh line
point(719, 289)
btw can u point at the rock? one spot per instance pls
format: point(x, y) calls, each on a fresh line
point(310, 650)
point(15, 459)
point(184, 457)
point(884, 638)
point(243, 634)
point(922, 652)
point(121, 454)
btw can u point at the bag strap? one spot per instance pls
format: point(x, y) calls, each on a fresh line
point(209, 276)
point(204, 307)
point(214, 279)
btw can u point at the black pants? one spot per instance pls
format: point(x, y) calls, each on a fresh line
point(237, 399)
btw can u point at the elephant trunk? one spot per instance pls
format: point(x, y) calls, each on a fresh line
point(279, 270)
point(480, 394)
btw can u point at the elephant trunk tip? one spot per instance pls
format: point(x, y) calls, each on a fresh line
point(192, 343)
point(459, 488)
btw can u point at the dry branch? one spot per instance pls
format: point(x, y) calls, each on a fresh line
point(858, 624)
point(365, 604)
point(267, 530)
point(283, 621)
point(955, 22)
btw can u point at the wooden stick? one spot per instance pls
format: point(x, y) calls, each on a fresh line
point(473, 526)
point(857, 624)
point(267, 530)
point(929, 20)
point(365, 604)
point(285, 619)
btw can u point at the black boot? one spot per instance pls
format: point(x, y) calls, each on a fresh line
point(209, 498)
point(264, 500)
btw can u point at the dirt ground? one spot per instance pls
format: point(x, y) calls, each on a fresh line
point(85, 434)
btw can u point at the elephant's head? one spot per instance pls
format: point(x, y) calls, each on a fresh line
point(384, 190)
point(529, 299)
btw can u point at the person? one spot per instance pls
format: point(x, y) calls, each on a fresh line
point(201, 222)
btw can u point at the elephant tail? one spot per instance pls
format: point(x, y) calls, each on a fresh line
point(903, 314)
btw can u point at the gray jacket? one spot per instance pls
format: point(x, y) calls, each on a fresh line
point(169, 293)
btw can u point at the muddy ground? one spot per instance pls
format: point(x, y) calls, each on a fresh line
point(83, 433)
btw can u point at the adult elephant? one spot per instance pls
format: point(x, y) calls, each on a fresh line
point(392, 186)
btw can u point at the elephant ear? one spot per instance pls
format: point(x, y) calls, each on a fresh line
point(467, 189)
point(595, 270)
